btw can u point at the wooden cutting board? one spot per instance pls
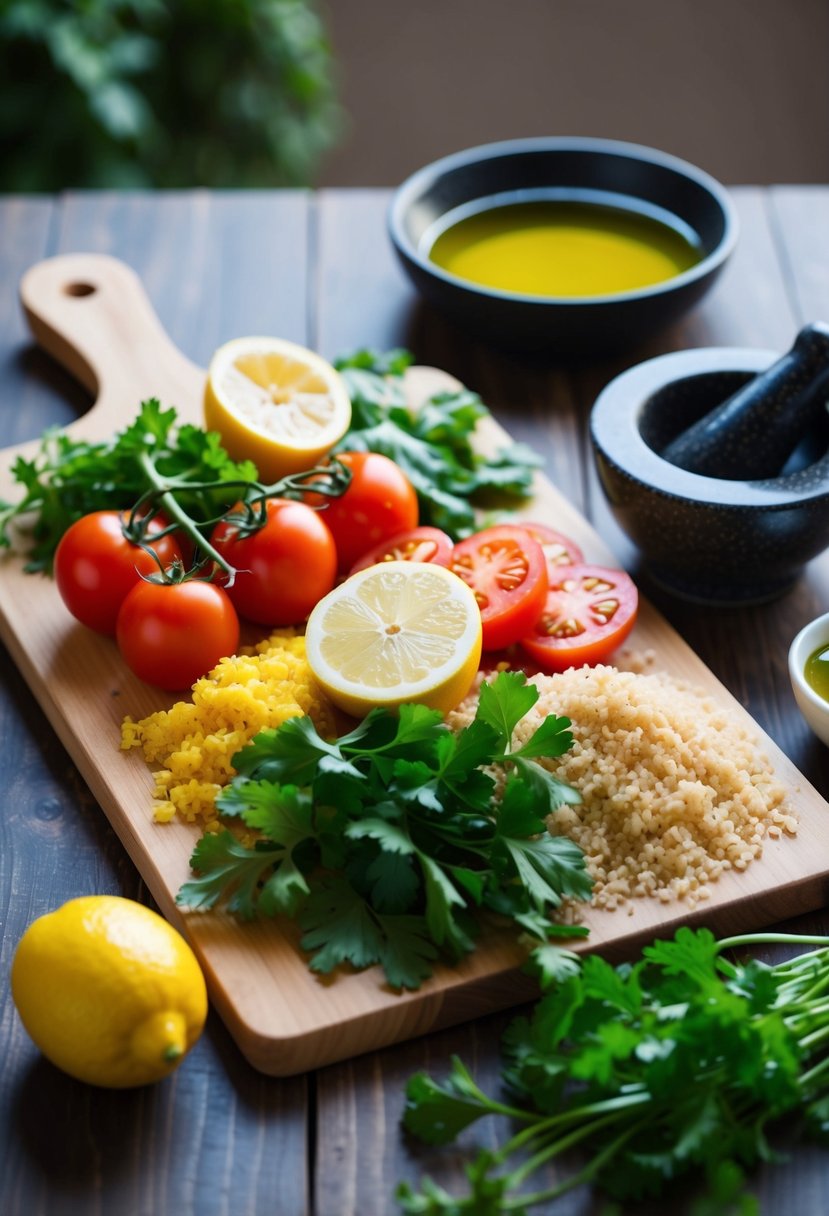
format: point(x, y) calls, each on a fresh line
point(91, 313)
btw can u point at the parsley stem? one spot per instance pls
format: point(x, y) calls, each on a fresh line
point(585, 1175)
point(760, 939)
point(571, 1138)
point(812, 1074)
point(608, 1107)
point(817, 1036)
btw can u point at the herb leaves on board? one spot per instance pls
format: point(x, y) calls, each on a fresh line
point(432, 444)
point(384, 842)
point(67, 477)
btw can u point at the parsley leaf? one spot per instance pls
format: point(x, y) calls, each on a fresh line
point(680, 1066)
point(433, 446)
point(385, 841)
point(341, 927)
point(68, 477)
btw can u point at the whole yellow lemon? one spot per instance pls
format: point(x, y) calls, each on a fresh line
point(109, 991)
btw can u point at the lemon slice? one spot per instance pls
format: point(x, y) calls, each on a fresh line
point(275, 403)
point(395, 633)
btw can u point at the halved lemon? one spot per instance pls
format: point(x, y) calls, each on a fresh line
point(395, 633)
point(275, 403)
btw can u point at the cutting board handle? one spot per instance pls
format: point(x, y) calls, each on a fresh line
point(90, 312)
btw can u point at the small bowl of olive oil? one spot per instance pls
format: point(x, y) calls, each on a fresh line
point(564, 246)
point(809, 674)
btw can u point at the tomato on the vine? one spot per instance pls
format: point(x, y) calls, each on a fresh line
point(559, 550)
point(506, 569)
point(171, 634)
point(284, 567)
point(589, 612)
point(380, 501)
point(423, 544)
point(96, 565)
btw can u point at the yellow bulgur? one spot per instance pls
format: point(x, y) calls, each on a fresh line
point(195, 741)
point(674, 789)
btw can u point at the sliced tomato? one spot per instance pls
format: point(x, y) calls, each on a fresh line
point(559, 549)
point(507, 571)
point(421, 544)
point(589, 611)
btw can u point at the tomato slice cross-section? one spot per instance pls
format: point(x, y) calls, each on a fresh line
point(588, 613)
point(421, 544)
point(507, 571)
point(559, 550)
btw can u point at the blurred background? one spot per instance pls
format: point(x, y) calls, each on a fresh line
point(241, 93)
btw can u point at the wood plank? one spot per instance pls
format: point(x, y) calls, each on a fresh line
point(217, 264)
point(800, 223)
point(751, 306)
point(166, 1148)
point(283, 1018)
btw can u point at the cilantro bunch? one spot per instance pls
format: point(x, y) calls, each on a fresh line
point(683, 1064)
point(384, 842)
point(432, 446)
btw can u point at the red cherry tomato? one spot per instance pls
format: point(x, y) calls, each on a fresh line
point(379, 502)
point(284, 567)
point(506, 569)
point(590, 610)
point(171, 634)
point(422, 544)
point(559, 550)
point(96, 566)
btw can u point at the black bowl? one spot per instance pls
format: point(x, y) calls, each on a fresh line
point(709, 540)
point(594, 169)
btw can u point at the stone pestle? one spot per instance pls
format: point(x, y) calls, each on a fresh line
point(751, 435)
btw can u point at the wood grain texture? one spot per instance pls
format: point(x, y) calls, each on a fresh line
point(93, 316)
point(751, 305)
point(218, 1137)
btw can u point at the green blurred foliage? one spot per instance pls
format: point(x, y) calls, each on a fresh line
point(133, 93)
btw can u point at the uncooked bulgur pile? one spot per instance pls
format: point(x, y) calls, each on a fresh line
point(675, 791)
point(195, 741)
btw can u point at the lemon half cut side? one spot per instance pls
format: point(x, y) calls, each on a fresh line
point(395, 633)
point(275, 403)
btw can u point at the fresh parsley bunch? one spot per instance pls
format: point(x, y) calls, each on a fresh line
point(68, 477)
point(433, 445)
point(682, 1064)
point(385, 841)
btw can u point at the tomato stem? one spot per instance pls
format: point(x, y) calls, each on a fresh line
point(163, 498)
point(330, 480)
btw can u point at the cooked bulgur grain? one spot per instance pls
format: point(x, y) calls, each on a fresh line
point(675, 791)
point(196, 740)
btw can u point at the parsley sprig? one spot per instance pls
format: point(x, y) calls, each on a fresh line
point(384, 842)
point(684, 1063)
point(433, 446)
point(157, 464)
point(154, 464)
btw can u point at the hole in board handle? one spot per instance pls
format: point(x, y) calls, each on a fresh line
point(80, 289)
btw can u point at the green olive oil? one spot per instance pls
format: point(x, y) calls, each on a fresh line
point(555, 247)
point(816, 671)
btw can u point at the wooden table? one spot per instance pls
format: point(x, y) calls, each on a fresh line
point(217, 1138)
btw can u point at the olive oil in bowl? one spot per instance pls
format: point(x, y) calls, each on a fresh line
point(559, 247)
